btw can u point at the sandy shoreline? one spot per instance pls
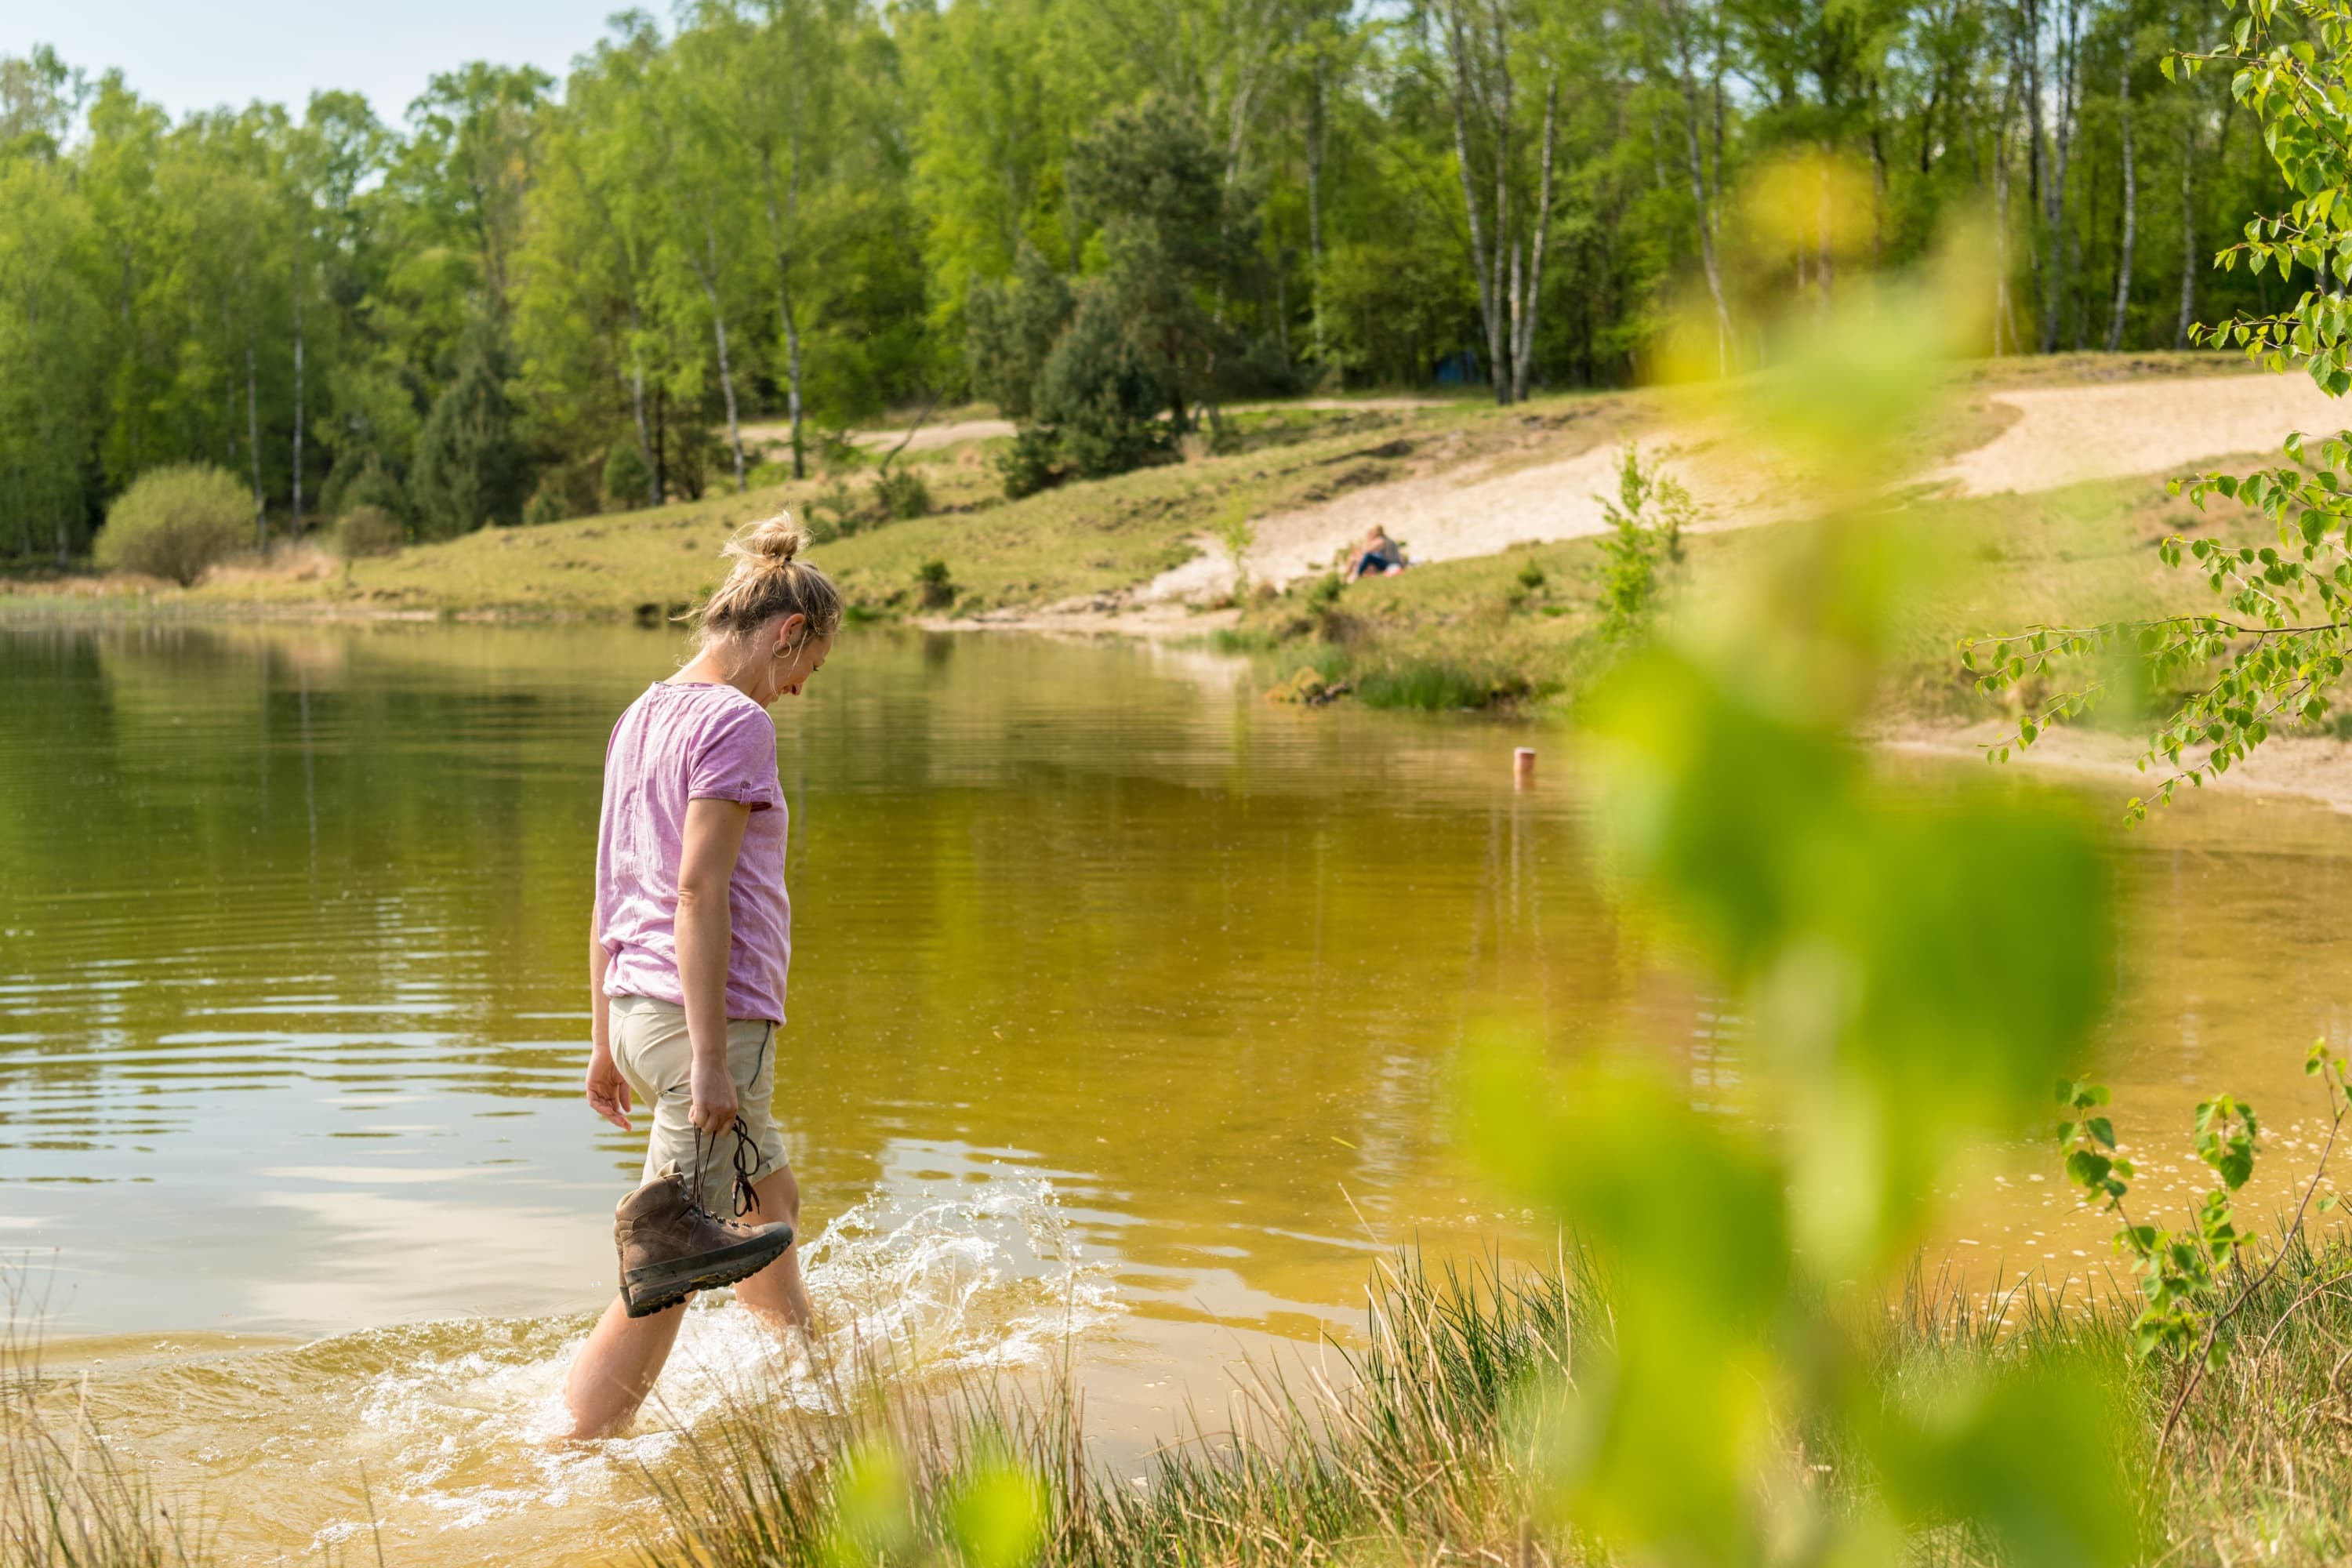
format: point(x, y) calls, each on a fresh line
point(2315, 768)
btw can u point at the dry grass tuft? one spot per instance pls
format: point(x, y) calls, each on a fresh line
point(67, 1501)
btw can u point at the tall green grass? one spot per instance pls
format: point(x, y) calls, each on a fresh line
point(1415, 1451)
point(1423, 1448)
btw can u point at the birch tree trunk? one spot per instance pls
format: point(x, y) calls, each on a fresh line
point(253, 430)
point(1523, 351)
point(1489, 308)
point(1708, 261)
point(2131, 215)
point(294, 529)
point(777, 228)
point(2030, 50)
point(2053, 191)
point(719, 328)
point(2004, 329)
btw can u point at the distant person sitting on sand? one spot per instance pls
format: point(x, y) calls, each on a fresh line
point(1378, 556)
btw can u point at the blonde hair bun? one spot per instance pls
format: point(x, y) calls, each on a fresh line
point(777, 539)
point(766, 580)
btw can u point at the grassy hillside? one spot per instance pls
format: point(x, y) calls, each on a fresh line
point(1523, 626)
point(1519, 627)
point(1078, 540)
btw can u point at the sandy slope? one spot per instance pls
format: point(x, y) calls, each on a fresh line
point(2062, 436)
point(2068, 433)
point(1476, 508)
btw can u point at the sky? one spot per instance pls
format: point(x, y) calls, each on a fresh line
point(190, 57)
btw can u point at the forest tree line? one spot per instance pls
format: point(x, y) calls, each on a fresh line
point(533, 299)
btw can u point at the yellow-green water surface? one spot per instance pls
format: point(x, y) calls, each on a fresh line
point(1124, 1007)
point(1120, 1016)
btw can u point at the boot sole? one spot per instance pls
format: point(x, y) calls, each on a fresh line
point(658, 1286)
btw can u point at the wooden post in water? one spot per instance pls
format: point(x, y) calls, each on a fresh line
point(1523, 767)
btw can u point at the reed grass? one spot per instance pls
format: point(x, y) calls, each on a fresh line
point(66, 1499)
point(1417, 1447)
point(1422, 1448)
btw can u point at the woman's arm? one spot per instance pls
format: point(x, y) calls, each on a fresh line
point(714, 838)
point(608, 1091)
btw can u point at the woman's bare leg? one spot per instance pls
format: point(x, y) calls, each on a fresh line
point(616, 1368)
point(777, 1293)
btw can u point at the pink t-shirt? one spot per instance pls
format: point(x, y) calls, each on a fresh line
point(676, 743)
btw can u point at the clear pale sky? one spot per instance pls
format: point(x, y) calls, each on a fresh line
point(188, 56)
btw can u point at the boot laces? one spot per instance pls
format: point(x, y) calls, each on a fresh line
point(747, 1165)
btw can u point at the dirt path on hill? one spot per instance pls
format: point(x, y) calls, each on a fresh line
point(2065, 435)
point(2060, 436)
point(1478, 508)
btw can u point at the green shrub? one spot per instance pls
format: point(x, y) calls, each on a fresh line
point(628, 479)
point(1032, 463)
point(934, 586)
point(1225, 436)
point(471, 467)
point(175, 522)
point(1438, 685)
point(367, 530)
point(834, 514)
point(1009, 332)
point(1102, 395)
point(902, 496)
point(1646, 522)
point(546, 505)
point(363, 478)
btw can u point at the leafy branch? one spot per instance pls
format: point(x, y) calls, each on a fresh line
point(2189, 1292)
point(2272, 656)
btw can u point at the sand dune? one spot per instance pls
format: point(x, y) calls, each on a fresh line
point(2062, 436)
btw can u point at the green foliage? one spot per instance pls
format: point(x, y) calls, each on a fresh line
point(49, 321)
point(902, 495)
point(1031, 463)
point(2270, 657)
point(1647, 520)
point(471, 467)
point(1100, 395)
point(368, 530)
point(1175, 230)
point(1009, 330)
point(1397, 304)
point(2189, 1290)
point(1238, 533)
point(628, 479)
point(801, 211)
point(1745, 1235)
point(933, 586)
point(361, 479)
point(174, 521)
point(1435, 686)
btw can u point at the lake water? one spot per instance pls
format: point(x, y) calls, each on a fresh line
point(1123, 1014)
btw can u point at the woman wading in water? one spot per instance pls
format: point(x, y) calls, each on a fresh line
point(687, 952)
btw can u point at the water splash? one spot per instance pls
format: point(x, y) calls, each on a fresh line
point(455, 1425)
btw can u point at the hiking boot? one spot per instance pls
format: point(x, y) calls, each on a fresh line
point(672, 1246)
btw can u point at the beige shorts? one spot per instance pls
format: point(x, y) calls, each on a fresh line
point(650, 1047)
